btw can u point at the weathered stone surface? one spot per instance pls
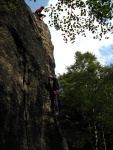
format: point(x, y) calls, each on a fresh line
point(26, 59)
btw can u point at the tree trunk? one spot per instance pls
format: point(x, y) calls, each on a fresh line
point(95, 133)
point(96, 136)
point(90, 130)
point(104, 140)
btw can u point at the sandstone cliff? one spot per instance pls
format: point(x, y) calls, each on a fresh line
point(26, 59)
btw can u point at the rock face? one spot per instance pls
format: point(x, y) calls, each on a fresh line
point(26, 60)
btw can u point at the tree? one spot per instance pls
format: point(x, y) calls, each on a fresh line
point(72, 23)
point(87, 93)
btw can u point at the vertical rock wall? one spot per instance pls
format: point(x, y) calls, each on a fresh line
point(26, 59)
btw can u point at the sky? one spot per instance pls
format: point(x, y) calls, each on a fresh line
point(64, 53)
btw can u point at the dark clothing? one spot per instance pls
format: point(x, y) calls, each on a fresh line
point(56, 84)
point(40, 15)
point(54, 92)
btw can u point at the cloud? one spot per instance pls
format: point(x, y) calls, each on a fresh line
point(64, 53)
point(106, 55)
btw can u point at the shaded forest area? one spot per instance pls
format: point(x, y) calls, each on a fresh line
point(87, 104)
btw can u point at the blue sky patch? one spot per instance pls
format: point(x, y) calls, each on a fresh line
point(107, 54)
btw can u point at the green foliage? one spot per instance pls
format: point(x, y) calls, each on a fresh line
point(101, 9)
point(65, 17)
point(87, 94)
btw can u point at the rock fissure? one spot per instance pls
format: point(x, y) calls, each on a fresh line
point(25, 99)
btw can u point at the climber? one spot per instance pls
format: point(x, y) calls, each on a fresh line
point(54, 90)
point(38, 11)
